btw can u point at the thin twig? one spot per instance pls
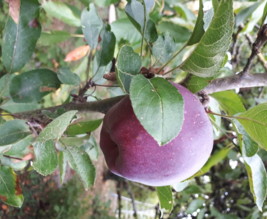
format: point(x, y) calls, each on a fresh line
point(256, 47)
point(259, 55)
point(11, 157)
point(237, 117)
point(170, 60)
point(129, 191)
point(119, 198)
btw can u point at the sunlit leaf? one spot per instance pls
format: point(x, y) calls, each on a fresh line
point(230, 102)
point(199, 26)
point(254, 122)
point(257, 179)
point(214, 159)
point(208, 56)
point(165, 198)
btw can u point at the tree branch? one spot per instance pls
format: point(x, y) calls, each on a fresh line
point(101, 106)
point(236, 81)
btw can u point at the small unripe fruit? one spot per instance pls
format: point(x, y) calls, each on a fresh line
point(132, 153)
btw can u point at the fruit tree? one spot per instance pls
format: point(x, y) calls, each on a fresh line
point(178, 87)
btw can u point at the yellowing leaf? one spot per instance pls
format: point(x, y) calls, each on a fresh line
point(77, 53)
point(14, 8)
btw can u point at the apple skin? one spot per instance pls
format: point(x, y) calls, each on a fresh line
point(130, 152)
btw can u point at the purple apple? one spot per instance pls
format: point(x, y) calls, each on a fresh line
point(132, 153)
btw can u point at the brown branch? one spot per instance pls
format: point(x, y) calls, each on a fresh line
point(102, 106)
point(236, 81)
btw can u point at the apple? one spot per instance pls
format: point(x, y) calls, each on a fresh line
point(130, 152)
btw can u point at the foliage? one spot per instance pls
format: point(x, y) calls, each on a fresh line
point(149, 44)
point(44, 199)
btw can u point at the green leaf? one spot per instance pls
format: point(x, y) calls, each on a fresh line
point(19, 40)
point(83, 127)
point(199, 26)
point(108, 41)
point(178, 33)
point(45, 153)
point(157, 104)
point(149, 4)
point(105, 3)
point(91, 25)
point(229, 101)
point(8, 104)
point(4, 85)
point(128, 65)
point(164, 48)
point(119, 26)
point(16, 166)
point(257, 179)
point(31, 86)
point(255, 123)
point(10, 190)
point(55, 129)
point(66, 76)
point(138, 12)
point(66, 13)
point(91, 148)
point(215, 4)
point(243, 15)
point(99, 71)
point(135, 11)
point(81, 163)
point(214, 159)
point(74, 141)
point(247, 145)
point(208, 56)
point(151, 34)
point(195, 83)
point(53, 37)
point(165, 198)
point(264, 14)
point(20, 148)
point(13, 131)
point(195, 205)
point(12, 107)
